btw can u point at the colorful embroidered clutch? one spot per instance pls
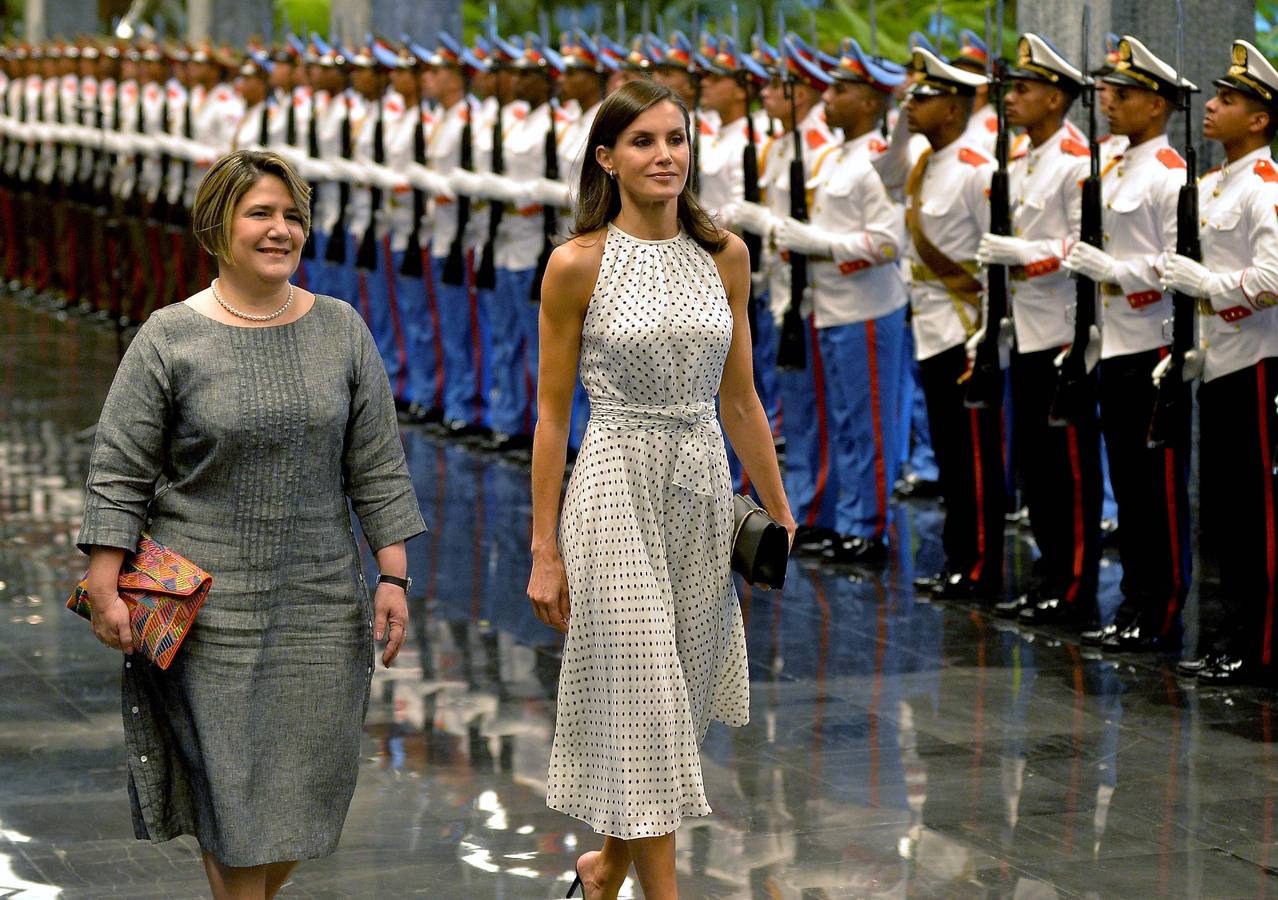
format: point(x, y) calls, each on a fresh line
point(163, 592)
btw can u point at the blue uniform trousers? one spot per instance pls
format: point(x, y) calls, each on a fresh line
point(811, 483)
point(862, 363)
point(417, 331)
point(460, 347)
point(765, 361)
point(379, 303)
point(509, 381)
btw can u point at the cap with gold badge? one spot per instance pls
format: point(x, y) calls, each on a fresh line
point(937, 78)
point(1038, 60)
point(1138, 67)
point(1251, 74)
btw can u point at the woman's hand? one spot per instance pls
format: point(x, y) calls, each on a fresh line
point(110, 619)
point(390, 619)
point(548, 591)
point(787, 522)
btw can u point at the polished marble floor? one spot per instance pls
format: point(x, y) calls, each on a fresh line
point(897, 748)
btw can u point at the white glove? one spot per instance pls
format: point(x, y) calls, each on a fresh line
point(1187, 276)
point(430, 181)
point(465, 182)
point(1189, 370)
point(997, 249)
point(755, 217)
point(973, 342)
point(1091, 352)
point(551, 193)
point(1093, 263)
point(800, 237)
point(1192, 368)
point(384, 177)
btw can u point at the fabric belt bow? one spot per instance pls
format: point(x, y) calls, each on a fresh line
point(697, 428)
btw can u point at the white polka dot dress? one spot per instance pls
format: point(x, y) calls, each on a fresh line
point(655, 645)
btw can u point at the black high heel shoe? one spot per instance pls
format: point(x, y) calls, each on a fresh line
point(576, 884)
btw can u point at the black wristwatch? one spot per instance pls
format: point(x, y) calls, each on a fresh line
point(404, 583)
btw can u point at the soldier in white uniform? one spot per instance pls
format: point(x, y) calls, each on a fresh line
point(1140, 190)
point(1060, 466)
point(853, 243)
point(452, 257)
point(1237, 282)
point(794, 92)
point(947, 213)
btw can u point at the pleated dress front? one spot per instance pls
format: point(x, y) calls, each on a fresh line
point(655, 647)
point(258, 438)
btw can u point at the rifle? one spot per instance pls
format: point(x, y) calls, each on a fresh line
point(985, 384)
point(1169, 424)
point(792, 351)
point(1074, 400)
point(412, 267)
point(312, 150)
point(455, 266)
point(366, 256)
point(550, 213)
point(336, 250)
point(486, 277)
point(694, 175)
point(750, 171)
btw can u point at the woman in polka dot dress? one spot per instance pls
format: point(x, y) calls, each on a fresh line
point(650, 299)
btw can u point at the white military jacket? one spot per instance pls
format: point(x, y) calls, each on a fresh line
point(68, 114)
point(520, 235)
point(1046, 200)
point(443, 153)
point(861, 281)
point(722, 175)
point(330, 113)
point(1139, 189)
point(1238, 209)
point(982, 129)
point(774, 184)
point(954, 212)
point(154, 98)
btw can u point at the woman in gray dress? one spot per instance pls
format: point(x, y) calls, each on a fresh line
point(238, 427)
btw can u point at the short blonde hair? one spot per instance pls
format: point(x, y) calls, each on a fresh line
point(226, 183)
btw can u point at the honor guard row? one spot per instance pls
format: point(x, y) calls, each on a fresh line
point(951, 281)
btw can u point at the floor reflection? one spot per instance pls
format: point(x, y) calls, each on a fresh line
point(897, 748)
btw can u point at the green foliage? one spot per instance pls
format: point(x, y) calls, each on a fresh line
point(1267, 28)
point(835, 20)
point(302, 16)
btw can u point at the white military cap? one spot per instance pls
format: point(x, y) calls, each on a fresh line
point(1038, 60)
point(1251, 74)
point(1138, 67)
point(939, 78)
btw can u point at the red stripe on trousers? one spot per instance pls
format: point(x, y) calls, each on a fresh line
point(880, 464)
point(1076, 472)
point(400, 350)
point(472, 295)
point(432, 304)
point(978, 568)
point(823, 435)
point(363, 296)
point(1266, 464)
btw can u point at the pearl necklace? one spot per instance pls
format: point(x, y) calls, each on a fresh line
point(243, 315)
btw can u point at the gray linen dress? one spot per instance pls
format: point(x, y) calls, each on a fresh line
point(250, 741)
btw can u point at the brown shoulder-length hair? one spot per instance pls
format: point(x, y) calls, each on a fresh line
point(599, 197)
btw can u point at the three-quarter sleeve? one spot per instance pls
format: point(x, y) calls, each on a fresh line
point(373, 466)
point(129, 450)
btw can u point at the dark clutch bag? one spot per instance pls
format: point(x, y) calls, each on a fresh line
point(760, 546)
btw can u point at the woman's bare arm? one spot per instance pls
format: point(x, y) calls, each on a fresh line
point(565, 294)
point(744, 420)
